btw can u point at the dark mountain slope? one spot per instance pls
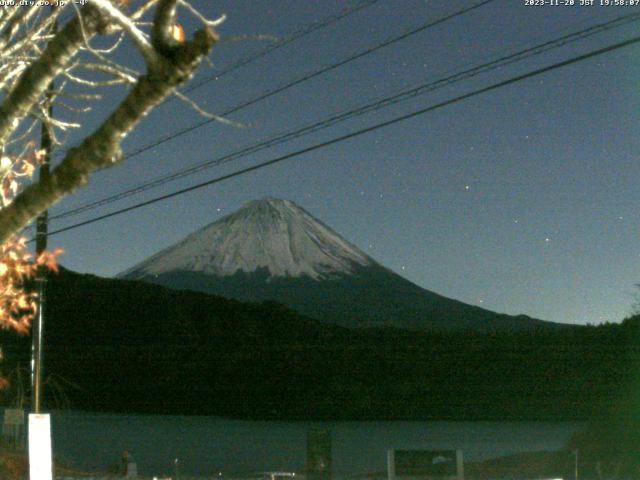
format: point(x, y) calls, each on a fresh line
point(274, 250)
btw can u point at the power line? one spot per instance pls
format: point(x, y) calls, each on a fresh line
point(302, 32)
point(309, 76)
point(285, 41)
point(296, 35)
point(378, 104)
point(360, 132)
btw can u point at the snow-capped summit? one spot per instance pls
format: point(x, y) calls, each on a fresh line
point(272, 234)
point(274, 250)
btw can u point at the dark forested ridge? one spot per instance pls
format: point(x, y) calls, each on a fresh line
point(135, 347)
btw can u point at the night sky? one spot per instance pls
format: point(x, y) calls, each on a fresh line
point(520, 200)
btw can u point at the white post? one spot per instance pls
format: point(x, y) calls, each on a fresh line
point(40, 464)
point(391, 464)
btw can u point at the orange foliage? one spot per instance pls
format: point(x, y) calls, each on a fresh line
point(13, 168)
point(177, 32)
point(18, 305)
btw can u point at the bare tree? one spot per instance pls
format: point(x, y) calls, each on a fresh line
point(34, 53)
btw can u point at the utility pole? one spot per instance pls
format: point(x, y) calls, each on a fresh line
point(41, 281)
point(42, 226)
point(576, 452)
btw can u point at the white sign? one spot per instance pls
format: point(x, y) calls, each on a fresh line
point(40, 465)
point(443, 464)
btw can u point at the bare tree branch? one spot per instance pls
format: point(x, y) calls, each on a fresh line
point(32, 54)
point(102, 148)
point(37, 77)
point(138, 37)
point(163, 22)
point(143, 9)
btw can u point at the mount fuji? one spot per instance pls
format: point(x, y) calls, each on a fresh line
point(274, 250)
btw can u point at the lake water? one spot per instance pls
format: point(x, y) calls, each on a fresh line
point(207, 445)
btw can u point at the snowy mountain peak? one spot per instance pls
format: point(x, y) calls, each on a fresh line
point(272, 234)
